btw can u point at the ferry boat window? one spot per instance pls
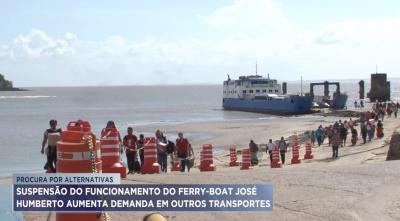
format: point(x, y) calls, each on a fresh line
point(276, 90)
point(251, 91)
point(270, 90)
point(244, 91)
point(264, 91)
point(257, 91)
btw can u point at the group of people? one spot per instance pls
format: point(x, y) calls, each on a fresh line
point(359, 105)
point(336, 135)
point(380, 109)
point(254, 149)
point(370, 123)
point(180, 150)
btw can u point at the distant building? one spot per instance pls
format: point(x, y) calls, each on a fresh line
point(380, 88)
point(5, 84)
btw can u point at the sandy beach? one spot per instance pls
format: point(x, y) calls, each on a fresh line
point(359, 185)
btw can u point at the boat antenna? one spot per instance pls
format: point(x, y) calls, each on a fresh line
point(301, 83)
point(229, 78)
point(256, 67)
point(376, 69)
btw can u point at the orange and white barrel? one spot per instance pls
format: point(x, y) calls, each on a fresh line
point(233, 156)
point(246, 160)
point(110, 152)
point(206, 158)
point(150, 164)
point(275, 158)
point(176, 166)
point(308, 155)
point(78, 152)
point(295, 150)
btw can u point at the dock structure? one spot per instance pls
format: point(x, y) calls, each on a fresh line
point(361, 89)
point(380, 88)
point(338, 99)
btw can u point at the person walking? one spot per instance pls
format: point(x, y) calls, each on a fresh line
point(129, 143)
point(140, 146)
point(336, 141)
point(162, 155)
point(343, 134)
point(319, 135)
point(379, 129)
point(253, 152)
point(182, 151)
point(354, 136)
point(312, 138)
point(271, 146)
point(282, 149)
point(190, 158)
point(51, 137)
point(363, 130)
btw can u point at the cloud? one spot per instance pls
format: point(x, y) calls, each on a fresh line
point(241, 33)
point(38, 44)
point(249, 14)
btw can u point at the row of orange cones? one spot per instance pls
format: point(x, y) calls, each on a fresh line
point(275, 163)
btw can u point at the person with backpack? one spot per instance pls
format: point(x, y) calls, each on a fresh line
point(182, 150)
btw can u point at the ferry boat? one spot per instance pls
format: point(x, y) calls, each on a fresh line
point(255, 93)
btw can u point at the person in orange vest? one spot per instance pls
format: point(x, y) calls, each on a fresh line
point(51, 137)
point(182, 150)
point(129, 143)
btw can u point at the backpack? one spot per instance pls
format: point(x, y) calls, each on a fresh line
point(170, 148)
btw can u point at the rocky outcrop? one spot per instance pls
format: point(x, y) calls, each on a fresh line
point(394, 148)
point(4, 84)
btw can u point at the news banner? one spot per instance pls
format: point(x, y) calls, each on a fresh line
point(82, 192)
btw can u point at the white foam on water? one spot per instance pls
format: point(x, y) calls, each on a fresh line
point(26, 97)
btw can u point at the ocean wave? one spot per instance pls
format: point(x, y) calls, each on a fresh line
point(26, 97)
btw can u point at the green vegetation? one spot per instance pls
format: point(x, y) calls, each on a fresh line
point(5, 84)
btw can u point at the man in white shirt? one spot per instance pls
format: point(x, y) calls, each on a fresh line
point(270, 146)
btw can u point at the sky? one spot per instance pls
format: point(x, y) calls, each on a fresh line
point(77, 43)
